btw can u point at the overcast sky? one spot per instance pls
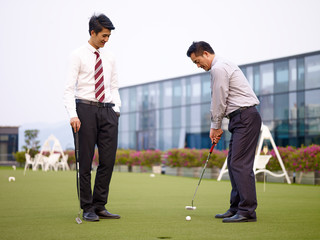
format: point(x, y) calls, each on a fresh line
point(150, 42)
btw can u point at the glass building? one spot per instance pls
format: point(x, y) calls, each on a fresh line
point(8, 143)
point(175, 113)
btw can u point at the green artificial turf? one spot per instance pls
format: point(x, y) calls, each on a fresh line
point(43, 205)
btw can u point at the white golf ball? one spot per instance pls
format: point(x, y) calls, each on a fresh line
point(12, 179)
point(152, 175)
point(188, 218)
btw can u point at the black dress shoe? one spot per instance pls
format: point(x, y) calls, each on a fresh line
point(238, 218)
point(90, 216)
point(227, 214)
point(104, 214)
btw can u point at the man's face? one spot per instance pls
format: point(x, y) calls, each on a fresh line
point(203, 61)
point(99, 40)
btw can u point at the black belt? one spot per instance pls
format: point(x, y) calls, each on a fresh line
point(97, 104)
point(236, 112)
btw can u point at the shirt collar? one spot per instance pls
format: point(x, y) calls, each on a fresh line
point(214, 61)
point(92, 49)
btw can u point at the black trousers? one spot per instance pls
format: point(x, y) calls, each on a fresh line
point(245, 129)
point(99, 126)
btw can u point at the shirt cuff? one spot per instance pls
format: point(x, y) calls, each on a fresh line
point(73, 114)
point(216, 125)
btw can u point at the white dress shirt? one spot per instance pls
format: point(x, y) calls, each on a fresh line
point(81, 81)
point(230, 90)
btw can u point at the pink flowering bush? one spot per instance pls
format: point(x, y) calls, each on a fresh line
point(286, 154)
point(150, 158)
point(123, 156)
point(304, 159)
point(309, 158)
point(217, 158)
point(135, 158)
point(173, 158)
point(71, 156)
point(146, 158)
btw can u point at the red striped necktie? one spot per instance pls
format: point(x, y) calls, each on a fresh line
point(98, 76)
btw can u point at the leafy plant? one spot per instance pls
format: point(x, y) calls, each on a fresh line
point(32, 144)
point(20, 157)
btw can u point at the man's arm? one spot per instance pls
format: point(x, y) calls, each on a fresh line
point(114, 89)
point(69, 92)
point(220, 92)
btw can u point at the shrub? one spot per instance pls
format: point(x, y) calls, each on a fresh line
point(123, 156)
point(135, 158)
point(304, 159)
point(287, 155)
point(195, 157)
point(309, 158)
point(173, 158)
point(20, 157)
point(151, 158)
point(71, 156)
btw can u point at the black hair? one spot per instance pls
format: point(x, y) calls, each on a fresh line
point(97, 23)
point(198, 48)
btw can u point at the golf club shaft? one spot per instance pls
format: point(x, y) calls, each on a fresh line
point(76, 135)
point(204, 168)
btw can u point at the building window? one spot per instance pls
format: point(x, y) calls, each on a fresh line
point(267, 79)
point(266, 107)
point(281, 77)
point(300, 79)
point(312, 72)
point(292, 75)
point(177, 93)
point(312, 104)
point(281, 106)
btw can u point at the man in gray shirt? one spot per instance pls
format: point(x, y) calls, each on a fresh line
point(232, 97)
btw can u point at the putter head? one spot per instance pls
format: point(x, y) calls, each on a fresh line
point(191, 208)
point(78, 220)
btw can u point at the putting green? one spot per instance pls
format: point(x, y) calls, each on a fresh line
point(43, 205)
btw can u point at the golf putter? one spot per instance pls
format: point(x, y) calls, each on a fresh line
point(76, 135)
point(204, 168)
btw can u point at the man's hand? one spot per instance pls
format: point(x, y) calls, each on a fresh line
point(75, 124)
point(215, 135)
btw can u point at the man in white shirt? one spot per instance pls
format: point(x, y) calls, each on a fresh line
point(93, 103)
point(232, 97)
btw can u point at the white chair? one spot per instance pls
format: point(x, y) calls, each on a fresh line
point(52, 161)
point(38, 161)
point(63, 163)
point(260, 163)
point(29, 161)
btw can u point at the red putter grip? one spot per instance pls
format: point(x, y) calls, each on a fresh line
point(212, 147)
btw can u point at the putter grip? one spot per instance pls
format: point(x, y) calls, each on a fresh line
point(212, 147)
point(76, 135)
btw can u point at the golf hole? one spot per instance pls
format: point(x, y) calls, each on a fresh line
point(164, 237)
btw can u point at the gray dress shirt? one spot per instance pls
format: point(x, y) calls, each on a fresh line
point(230, 90)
